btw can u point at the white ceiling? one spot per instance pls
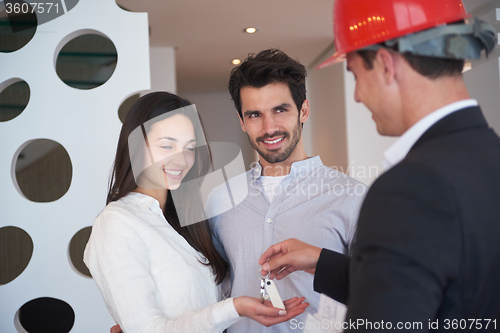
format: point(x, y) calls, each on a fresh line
point(208, 34)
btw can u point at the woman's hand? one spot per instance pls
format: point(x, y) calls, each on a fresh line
point(116, 329)
point(266, 314)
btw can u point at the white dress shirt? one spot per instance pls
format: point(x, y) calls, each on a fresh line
point(399, 149)
point(151, 279)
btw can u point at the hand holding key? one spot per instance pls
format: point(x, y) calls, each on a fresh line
point(268, 310)
point(289, 256)
point(265, 313)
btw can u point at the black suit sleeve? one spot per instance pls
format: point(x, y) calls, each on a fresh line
point(408, 248)
point(331, 277)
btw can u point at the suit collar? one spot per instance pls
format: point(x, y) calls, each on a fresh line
point(464, 119)
point(400, 148)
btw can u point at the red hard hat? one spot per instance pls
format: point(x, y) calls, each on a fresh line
point(361, 23)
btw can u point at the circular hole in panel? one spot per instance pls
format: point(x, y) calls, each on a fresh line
point(43, 170)
point(128, 10)
point(13, 99)
point(86, 61)
point(122, 6)
point(46, 314)
point(16, 249)
point(17, 25)
point(70, 4)
point(76, 248)
point(125, 106)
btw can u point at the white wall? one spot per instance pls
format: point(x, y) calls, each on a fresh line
point(327, 124)
point(163, 76)
point(483, 81)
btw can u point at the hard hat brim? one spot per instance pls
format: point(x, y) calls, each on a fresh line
point(334, 59)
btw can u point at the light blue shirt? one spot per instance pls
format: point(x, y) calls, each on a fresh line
point(314, 203)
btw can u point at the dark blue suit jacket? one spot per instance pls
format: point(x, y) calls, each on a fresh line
point(428, 239)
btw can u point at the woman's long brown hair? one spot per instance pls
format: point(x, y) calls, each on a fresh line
point(122, 182)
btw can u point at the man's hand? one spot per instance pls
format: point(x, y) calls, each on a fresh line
point(266, 314)
point(289, 256)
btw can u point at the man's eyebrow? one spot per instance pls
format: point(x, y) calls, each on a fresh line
point(282, 106)
point(249, 112)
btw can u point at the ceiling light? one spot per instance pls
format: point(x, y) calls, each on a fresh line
point(250, 30)
point(236, 61)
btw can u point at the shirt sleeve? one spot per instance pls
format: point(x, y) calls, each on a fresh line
point(216, 238)
point(118, 261)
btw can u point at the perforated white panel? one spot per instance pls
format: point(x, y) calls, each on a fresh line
point(86, 123)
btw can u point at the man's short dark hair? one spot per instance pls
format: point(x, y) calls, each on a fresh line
point(430, 67)
point(268, 66)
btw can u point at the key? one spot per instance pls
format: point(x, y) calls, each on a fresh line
point(262, 289)
point(268, 291)
point(263, 294)
point(273, 294)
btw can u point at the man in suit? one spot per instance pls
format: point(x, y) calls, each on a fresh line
point(427, 253)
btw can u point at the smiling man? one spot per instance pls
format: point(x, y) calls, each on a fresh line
point(290, 194)
point(274, 126)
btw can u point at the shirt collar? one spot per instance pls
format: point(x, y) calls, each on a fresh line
point(398, 151)
point(143, 200)
point(298, 168)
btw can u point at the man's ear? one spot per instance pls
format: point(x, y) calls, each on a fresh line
point(386, 60)
point(304, 112)
point(242, 124)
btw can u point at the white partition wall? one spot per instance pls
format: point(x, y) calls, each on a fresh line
point(86, 124)
point(325, 91)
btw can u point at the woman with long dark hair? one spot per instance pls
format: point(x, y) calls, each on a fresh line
point(157, 274)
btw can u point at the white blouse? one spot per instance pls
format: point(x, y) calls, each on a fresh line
point(150, 277)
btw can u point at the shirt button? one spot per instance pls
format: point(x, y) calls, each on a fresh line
point(269, 220)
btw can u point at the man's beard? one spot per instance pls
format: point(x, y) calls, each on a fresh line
point(278, 155)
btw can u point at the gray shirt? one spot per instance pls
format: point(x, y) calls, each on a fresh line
point(315, 204)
